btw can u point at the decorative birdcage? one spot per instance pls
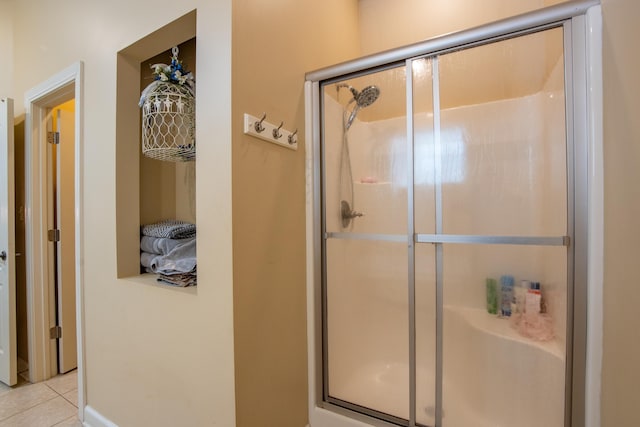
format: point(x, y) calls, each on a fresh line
point(168, 114)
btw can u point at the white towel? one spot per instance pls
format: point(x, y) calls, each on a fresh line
point(146, 259)
point(181, 259)
point(160, 245)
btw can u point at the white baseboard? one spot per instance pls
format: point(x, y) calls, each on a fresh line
point(93, 418)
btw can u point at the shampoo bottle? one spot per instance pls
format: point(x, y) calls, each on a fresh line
point(492, 296)
point(520, 295)
point(532, 300)
point(506, 295)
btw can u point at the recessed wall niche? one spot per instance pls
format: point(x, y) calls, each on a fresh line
point(148, 190)
point(167, 189)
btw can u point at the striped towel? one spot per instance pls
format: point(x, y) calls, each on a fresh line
point(180, 280)
point(172, 229)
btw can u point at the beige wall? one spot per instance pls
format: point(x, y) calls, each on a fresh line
point(621, 370)
point(154, 355)
point(6, 47)
point(408, 21)
point(274, 44)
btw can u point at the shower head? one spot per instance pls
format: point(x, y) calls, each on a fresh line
point(367, 96)
point(363, 99)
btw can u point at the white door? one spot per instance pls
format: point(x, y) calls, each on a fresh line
point(8, 345)
point(65, 218)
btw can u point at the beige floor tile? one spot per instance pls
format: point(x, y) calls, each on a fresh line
point(64, 383)
point(4, 388)
point(70, 422)
point(21, 382)
point(72, 396)
point(46, 414)
point(23, 397)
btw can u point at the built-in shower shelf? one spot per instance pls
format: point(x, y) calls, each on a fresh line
point(494, 325)
point(276, 134)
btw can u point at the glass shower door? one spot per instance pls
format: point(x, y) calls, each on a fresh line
point(446, 230)
point(501, 211)
point(366, 343)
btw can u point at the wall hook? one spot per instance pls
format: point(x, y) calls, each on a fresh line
point(262, 129)
point(276, 132)
point(292, 138)
point(258, 125)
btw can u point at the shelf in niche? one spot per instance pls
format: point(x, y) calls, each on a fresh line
point(501, 327)
point(149, 279)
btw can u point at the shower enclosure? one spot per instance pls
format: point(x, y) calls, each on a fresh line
point(448, 229)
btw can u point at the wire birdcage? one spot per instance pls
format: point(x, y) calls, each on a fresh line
point(168, 123)
point(168, 113)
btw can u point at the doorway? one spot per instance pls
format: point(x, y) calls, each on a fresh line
point(53, 232)
point(61, 235)
point(61, 252)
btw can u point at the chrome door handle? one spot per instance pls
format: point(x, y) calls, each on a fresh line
point(3, 256)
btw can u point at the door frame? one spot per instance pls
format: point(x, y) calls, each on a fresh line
point(63, 86)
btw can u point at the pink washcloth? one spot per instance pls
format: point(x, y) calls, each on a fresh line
point(538, 326)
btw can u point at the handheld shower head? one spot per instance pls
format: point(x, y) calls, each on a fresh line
point(363, 99)
point(367, 96)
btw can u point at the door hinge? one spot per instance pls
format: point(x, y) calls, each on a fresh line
point(53, 235)
point(53, 137)
point(55, 332)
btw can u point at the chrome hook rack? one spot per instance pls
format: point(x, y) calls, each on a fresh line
point(260, 128)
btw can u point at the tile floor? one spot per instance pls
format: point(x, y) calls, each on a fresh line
point(46, 404)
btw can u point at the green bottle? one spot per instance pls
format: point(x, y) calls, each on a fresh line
point(492, 296)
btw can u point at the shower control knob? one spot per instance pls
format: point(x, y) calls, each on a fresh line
point(3, 256)
point(347, 214)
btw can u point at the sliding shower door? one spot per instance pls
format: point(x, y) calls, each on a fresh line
point(447, 222)
point(503, 202)
point(365, 157)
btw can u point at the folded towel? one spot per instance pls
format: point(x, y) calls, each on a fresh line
point(160, 245)
point(146, 259)
point(173, 229)
point(181, 259)
point(180, 280)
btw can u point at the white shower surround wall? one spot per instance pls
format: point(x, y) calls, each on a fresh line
point(378, 150)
